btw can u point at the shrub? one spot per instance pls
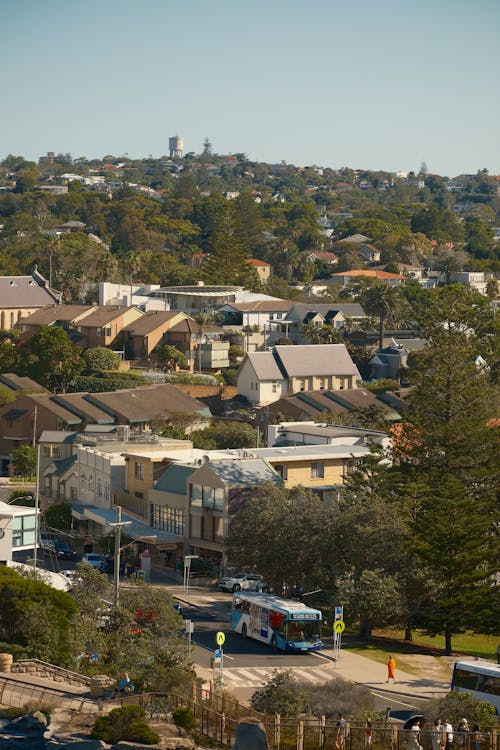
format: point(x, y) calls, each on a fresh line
point(336, 696)
point(455, 705)
point(125, 723)
point(281, 695)
point(184, 717)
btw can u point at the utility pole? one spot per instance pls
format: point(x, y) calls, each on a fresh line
point(118, 536)
point(37, 510)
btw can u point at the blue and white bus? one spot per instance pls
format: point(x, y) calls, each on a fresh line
point(479, 678)
point(284, 624)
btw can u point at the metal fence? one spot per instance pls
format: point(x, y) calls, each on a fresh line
point(218, 716)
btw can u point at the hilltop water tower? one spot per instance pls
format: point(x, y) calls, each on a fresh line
point(176, 147)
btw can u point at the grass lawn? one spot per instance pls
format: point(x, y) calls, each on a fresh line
point(385, 641)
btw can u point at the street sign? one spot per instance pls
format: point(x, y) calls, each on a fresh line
point(220, 638)
point(218, 653)
point(339, 626)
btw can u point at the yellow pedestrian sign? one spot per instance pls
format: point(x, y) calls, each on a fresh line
point(339, 626)
point(220, 638)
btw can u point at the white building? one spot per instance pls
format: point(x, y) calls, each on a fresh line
point(266, 377)
point(17, 530)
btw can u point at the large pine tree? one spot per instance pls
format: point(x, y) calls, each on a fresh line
point(452, 449)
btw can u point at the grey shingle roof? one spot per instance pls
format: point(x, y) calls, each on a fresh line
point(349, 309)
point(25, 292)
point(142, 404)
point(265, 365)
point(18, 383)
point(316, 360)
point(150, 321)
point(51, 313)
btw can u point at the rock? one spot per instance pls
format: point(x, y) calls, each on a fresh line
point(35, 723)
point(250, 735)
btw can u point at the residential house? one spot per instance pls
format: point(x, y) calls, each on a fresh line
point(265, 377)
point(143, 334)
point(201, 344)
point(333, 313)
point(369, 253)
point(259, 314)
point(22, 421)
point(355, 239)
point(16, 383)
point(391, 360)
point(102, 326)
point(346, 278)
point(22, 295)
point(263, 269)
point(193, 299)
point(17, 531)
point(286, 434)
point(324, 257)
point(323, 404)
point(64, 316)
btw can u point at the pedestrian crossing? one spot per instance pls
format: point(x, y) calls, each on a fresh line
point(256, 677)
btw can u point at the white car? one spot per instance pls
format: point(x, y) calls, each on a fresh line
point(243, 582)
point(94, 559)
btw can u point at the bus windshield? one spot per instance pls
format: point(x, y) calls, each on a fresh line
point(303, 630)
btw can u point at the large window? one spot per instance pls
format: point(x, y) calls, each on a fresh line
point(208, 497)
point(139, 471)
point(167, 519)
point(196, 495)
point(23, 531)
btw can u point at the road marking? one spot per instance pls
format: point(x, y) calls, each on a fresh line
point(259, 676)
point(393, 700)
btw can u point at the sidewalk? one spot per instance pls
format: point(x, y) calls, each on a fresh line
point(373, 674)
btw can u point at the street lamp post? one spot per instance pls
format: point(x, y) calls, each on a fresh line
point(118, 534)
point(187, 570)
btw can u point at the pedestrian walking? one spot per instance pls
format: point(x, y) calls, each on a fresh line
point(340, 733)
point(391, 669)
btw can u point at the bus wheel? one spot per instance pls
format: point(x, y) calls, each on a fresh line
point(274, 644)
point(244, 631)
point(236, 587)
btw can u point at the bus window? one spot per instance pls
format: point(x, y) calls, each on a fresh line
point(487, 684)
point(465, 679)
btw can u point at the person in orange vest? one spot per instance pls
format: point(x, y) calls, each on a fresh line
point(391, 669)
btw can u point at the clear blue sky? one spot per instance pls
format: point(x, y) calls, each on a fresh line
point(375, 84)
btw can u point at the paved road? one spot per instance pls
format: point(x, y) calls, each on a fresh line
point(248, 664)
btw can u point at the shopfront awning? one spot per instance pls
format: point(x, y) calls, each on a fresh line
point(136, 530)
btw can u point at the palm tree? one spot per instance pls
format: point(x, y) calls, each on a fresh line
point(381, 300)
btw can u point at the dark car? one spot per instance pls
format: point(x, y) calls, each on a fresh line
point(62, 550)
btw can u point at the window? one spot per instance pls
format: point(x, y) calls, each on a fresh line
point(167, 519)
point(23, 531)
point(139, 471)
point(219, 497)
point(322, 384)
point(317, 470)
point(274, 387)
point(196, 495)
point(302, 384)
point(282, 470)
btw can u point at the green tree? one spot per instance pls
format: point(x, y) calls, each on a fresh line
point(24, 461)
point(381, 300)
point(281, 695)
point(37, 617)
point(101, 358)
point(222, 435)
point(169, 357)
point(454, 460)
point(284, 534)
point(58, 516)
point(52, 359)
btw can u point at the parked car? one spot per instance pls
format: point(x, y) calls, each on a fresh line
point(72, 576)
point(94, 559)
point(62, 550)
point(243, 582)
